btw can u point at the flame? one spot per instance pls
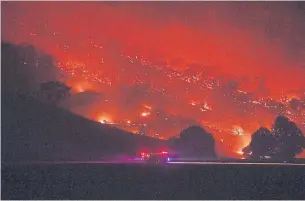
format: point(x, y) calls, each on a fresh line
point(105, 119)
point(88, 65)
point(145, 114)
point(148, 107)
point(79, 89)
point(193, 103)
point(237, 130)
point(206, 106)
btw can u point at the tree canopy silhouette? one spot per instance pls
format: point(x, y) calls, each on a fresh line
point(290, 139)
point(262, 144)
point(24, 68)
point(54, 91)
point(284, 142)
point(196, 142)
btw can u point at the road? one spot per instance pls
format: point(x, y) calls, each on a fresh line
point(169, 163)
point(233, 163)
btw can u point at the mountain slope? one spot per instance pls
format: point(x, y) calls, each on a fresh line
point(32, 130)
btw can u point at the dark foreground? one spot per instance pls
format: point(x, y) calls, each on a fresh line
point(138, 181)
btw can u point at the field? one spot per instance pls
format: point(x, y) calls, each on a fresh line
point(139, 181)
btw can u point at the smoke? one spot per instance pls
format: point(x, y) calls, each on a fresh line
point(24, 68)
point(215, 64)
point(233, 39)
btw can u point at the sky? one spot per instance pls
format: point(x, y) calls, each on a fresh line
point(159, 67)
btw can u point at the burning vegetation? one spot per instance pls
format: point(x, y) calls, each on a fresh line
point(153, 90)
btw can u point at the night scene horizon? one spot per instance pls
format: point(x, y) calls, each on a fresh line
point(159, 67)
point(152, 100)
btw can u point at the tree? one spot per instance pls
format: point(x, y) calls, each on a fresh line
point(290, 139)
point(173, 143)
point(262, 144)
point(196, 142)
point(23, 68)
point(54, 91)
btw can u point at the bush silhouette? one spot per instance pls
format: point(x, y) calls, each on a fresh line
point(196, 142)
point(290, 139)
point(262, 144)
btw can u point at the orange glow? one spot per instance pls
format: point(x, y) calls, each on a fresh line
point(80, 89)
point(193, 103)
point(207, 107)
point(145, 114)
point(169, 66)
point(237, 130)
point(104, 119)
point(148, 107)
point(243, 142)
point(134, 131)
point(79, 86)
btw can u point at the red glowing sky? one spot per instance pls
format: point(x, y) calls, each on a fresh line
point(224, 65)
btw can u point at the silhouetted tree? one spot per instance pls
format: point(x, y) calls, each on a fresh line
point(196, 142)
point(54, 92)
point(247, 152)
point(23, 68)
point(290, 139)
point(262, 144)
point(173, 143)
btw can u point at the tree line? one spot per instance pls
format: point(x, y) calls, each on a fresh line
point(20, 74)
point(284, 141)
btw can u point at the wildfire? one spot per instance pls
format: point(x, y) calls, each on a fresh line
point(206, 106)
point(237, 130)
point(105, 119)
point(148, 107)
point(80, 89)
point(85, 63)
point(145, 114)
point(193, 103)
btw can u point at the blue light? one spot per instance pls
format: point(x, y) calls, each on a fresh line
point(168, 159)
